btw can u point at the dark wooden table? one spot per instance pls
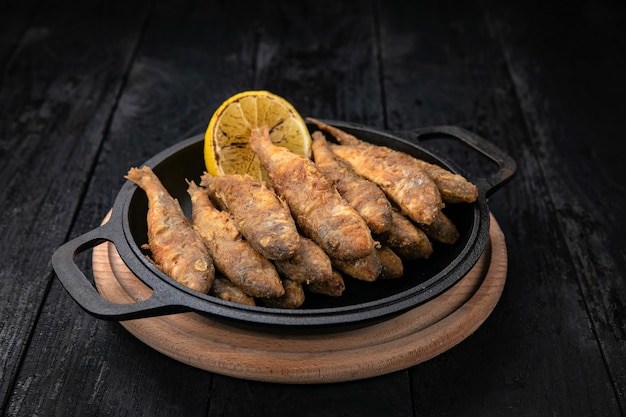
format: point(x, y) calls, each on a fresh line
point(88, 89)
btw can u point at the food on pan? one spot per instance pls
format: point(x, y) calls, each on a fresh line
point(280, 212)
point(392, 266)
point(365, 196)
point(454, 188)
point(334, 287)
point(383, 263)
point(367, 268)
point(292, 298)
point(406, 239)
point(233, 256)
point(225, 290)
point(441, 229)
point(176, 249)
point(261, 217)
point(309, 265)
point(405, 183)
point(318, 209)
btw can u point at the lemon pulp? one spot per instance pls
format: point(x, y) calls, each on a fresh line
point(226, 148)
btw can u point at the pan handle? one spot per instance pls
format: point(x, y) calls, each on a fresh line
point(85, 294)
point(506, 165)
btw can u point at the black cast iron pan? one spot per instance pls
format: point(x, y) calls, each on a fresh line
point(361, 302)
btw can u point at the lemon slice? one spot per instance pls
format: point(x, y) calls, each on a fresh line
point(226, 148)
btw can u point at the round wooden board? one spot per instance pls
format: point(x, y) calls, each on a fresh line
point(313, 357)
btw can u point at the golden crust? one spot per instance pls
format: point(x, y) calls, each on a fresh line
point(260, 215)
point(233, 256)
point(318, 209)
point(177, 250)
point(404, 182)
point(365, 196)
point(310, 264)
point(406, 239)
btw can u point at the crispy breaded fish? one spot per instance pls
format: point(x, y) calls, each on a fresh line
point(260, 215)
point(224, 289)
point(333, 287)
point(407, 240)
point(310, 264)
point(404, 182)
point(442, 229)
point(392, 266)
point(342, 136)
point(365, 196)
point(367, 268)
point(396, 173)
point(318, 209)
point(232, 255)
point(177, 249)
point(454, 188)
point(292, 298)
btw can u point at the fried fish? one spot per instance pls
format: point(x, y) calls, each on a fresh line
point(292, 298)
point(407, 240)
point(407, 185)
point(233, 256)
point(367, 268)
point(366, 197)
point(260, 215)
point(442, 229)
point(396, 173)
point(224, 289)
point(332, 288)
point(176, 248)
point(318, 209)
point(392, 266)
point(309, 265)
point(454, 188)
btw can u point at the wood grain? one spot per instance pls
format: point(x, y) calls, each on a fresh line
point(88, 89)
point(313, 357)
point(57, 92)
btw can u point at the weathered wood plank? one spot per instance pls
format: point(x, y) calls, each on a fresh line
point(170, 92)
point(377, 396)
point(572, 105)
point(143, 76)
point(324, 54)
point(57, 94)
point(15, 17)
point(462, 79)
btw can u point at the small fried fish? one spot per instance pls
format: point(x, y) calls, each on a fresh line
point(332, 288)
point(310, 264)
point(442, 229)
point(367, 268)
point(260, 215)
point(392, 266)
point(342, 136)
point(454, 188)
point(318, 209)
point(396, 173)
point(233, 256)
point(177, 250)
point(407, 240)
point(365, 196)
point(292, 298)
point(224, 289)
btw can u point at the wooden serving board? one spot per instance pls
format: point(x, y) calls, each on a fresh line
point(317, 357)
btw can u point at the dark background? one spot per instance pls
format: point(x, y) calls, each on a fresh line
point(90, 88)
